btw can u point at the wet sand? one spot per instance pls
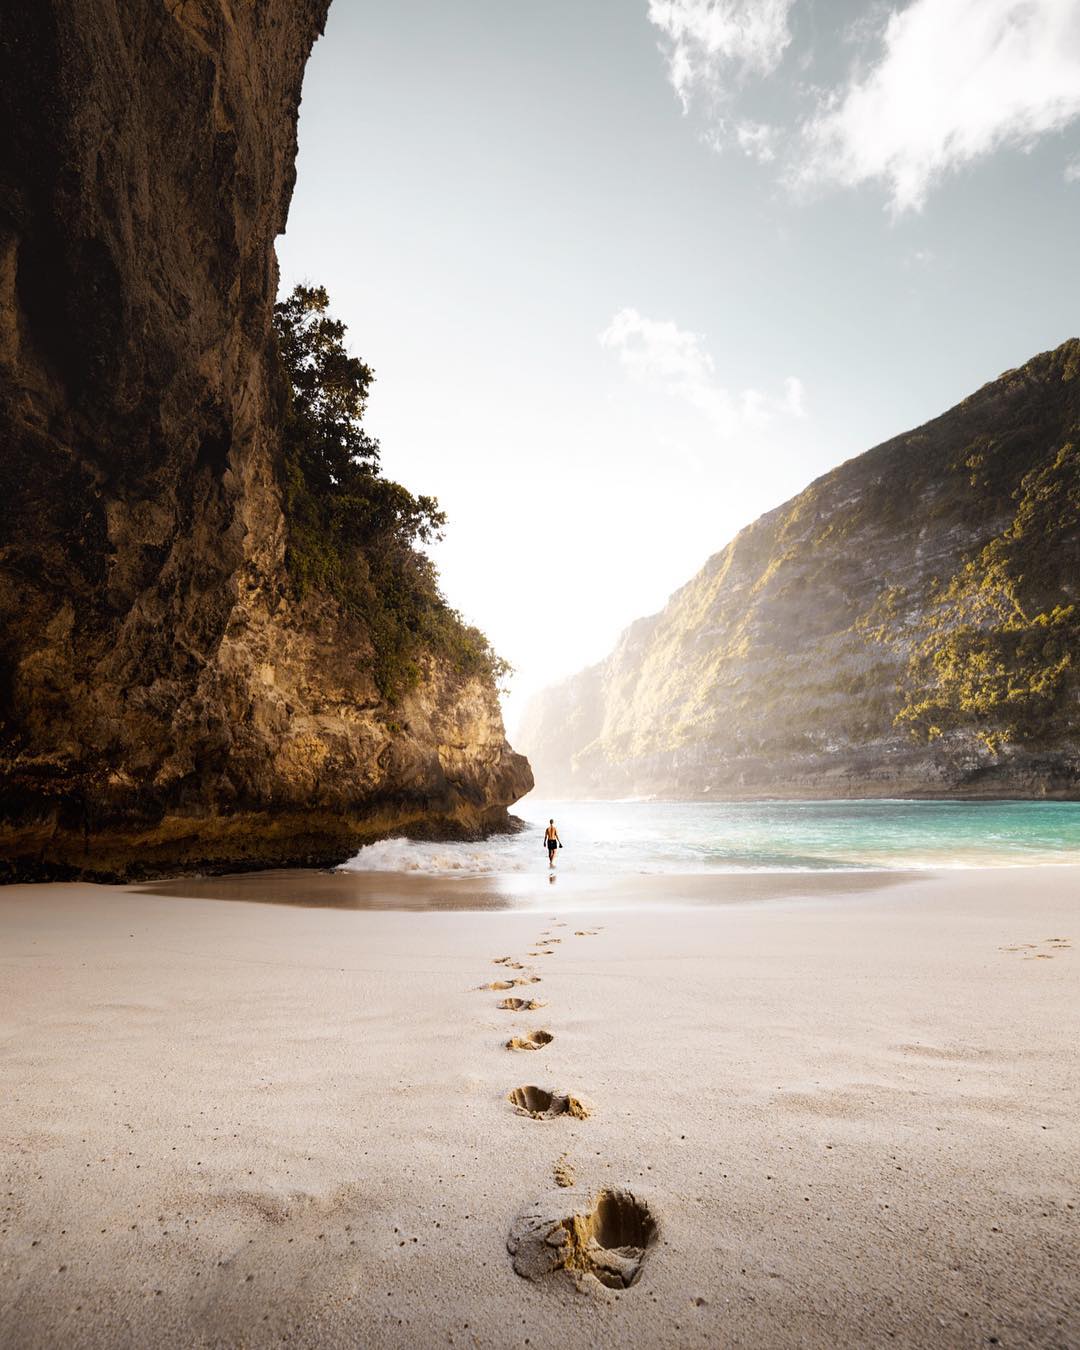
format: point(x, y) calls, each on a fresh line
point(536, 891)
point(827, 1111)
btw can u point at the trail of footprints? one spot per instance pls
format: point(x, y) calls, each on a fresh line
point(1030, 950)
point(606, 1243)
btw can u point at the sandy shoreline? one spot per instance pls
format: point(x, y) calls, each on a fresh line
point(853, 1110)
point(536, 891)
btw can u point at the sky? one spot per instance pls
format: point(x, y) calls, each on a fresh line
point(632, 272)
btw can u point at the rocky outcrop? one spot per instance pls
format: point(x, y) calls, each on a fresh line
point(166, 701)
point(909, 625)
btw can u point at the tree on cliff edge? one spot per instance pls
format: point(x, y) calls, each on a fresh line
point(352, 533)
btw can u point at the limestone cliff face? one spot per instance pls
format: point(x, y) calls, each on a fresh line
point(907, 626)
point(165, 701)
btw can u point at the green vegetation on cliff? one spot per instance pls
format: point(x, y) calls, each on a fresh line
point(353, 534)
point(1002, 639)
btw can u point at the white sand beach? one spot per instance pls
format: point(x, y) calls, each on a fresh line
point(852, 1107)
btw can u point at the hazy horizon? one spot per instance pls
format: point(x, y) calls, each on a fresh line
point(632, 276)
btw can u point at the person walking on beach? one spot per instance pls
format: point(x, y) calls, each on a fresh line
point(552, 840)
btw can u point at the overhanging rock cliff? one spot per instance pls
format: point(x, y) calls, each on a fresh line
point(166, 701)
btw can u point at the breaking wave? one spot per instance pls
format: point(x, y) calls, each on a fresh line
point(407, 855)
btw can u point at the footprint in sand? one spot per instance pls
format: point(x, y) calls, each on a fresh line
point(532, 1040)
point(498, 984)
point(519, 1004)
point(563, 1173)
point(1031, 952)
point(540, 1104)
point(608, 1243)
point(586, 932)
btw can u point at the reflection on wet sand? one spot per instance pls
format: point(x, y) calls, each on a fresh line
point(411, 891)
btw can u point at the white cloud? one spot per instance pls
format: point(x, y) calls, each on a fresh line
point(1072, 170)
point(708, 41)
point(757, 139)
point(663, 356)
point(956, 80)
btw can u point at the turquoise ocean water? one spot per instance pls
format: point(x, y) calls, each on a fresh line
point(616, 838)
